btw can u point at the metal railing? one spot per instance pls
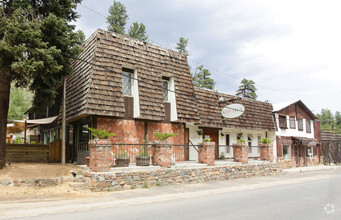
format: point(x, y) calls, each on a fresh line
point(181, 153)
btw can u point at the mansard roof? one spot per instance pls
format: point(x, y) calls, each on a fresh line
point(95, 88)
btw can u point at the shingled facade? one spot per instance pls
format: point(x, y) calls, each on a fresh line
point(255, 123)
point(131, 88)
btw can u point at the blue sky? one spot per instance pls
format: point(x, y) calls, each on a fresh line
point(290, 48)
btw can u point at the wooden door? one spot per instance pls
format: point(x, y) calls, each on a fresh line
point(213, 134)
point(186, 147)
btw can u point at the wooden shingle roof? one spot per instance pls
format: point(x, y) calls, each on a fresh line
point(257, 115)
point(95, 88)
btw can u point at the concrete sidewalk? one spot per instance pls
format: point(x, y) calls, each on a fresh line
point(311, 168)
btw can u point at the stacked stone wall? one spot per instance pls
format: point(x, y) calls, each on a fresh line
point(161, 177)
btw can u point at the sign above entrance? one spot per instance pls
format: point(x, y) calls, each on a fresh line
point(233, 110)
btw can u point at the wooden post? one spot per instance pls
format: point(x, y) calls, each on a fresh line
point(25, 127)
point(64, 123)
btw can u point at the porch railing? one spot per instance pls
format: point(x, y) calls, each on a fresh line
point(181, 153)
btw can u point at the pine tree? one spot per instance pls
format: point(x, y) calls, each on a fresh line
point(182, 46)
point(138, 31)
point(247, 89)
point(117, 18)
point(202, 79)
point(20, 102)
point(35, 36)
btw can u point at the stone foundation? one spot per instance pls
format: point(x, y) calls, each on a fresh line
point(314, 161)
point(101, 155)
point(161, 177)
point(266, 152)
point(206, 153)
point(240, 153)
point(286, 163)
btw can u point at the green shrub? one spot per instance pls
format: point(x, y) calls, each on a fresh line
point(207, 140)
point(101, 134)
point(164, 136)
point(241, 140)
point(265, 141)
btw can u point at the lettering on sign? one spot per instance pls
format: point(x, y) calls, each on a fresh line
point(233, 110)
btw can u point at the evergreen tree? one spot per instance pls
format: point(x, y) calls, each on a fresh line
point(182, 46)
point(338, 120)
point(138, 31)
point(117, 18)
point(35, 36)
point(247, 89)
point(327, 121)
point(202, 79)
point(20, 102)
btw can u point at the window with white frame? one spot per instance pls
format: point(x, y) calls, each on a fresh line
point(310, 151)
point(292, 122)
point(249, 142)
point(308, 126)
point(165, 88)
point(127, 84)
point(300, 124)
point(286, 154)
point(282, 121)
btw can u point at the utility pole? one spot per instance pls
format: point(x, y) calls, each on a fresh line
point(64, 122)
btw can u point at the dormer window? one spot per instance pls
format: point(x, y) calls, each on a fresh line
point(165, 88)
point(127, 78)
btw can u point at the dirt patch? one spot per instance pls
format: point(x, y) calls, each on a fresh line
point(40, 170)
point(37, 170)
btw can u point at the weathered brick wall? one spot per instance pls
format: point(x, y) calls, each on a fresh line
point(240, 153)
point(160, 177)
point(133, 131)
point(266, 152)
point(162, 155)
point(206, 153)
point(101, 155)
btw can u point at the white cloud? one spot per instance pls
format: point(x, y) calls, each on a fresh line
point(290, 48)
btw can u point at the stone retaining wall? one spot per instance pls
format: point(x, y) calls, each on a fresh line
point(144, 179)
point(40, 182)
point(286, 163)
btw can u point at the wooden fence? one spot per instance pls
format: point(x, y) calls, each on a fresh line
point(27, 153)
point(44, 153)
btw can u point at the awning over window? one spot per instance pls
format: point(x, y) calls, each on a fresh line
point(304, 141)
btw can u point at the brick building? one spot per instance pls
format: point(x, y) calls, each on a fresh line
point(297, 133)
point(133, 89)
point(130, 88)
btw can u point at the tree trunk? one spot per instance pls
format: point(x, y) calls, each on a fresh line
point(5, 86)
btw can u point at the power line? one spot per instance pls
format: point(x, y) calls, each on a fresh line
point(219, 71)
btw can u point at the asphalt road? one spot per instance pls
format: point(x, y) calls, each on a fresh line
point(311, 195)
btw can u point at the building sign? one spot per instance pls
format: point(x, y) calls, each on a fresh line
point(233, 110)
